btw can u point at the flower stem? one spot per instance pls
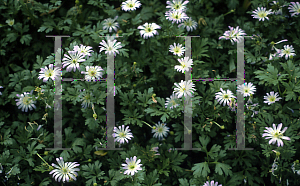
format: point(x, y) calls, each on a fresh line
point(148, 125)
point(222, 127)
point(43, 159)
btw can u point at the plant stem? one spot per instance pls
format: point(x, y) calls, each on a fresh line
point(43, 159)
point(148, 124)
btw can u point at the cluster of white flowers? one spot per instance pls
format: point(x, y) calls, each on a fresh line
point(177, 13)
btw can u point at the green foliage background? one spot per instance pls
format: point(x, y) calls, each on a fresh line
point(24, 49)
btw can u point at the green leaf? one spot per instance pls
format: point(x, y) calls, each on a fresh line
point(146, 13)
point(222, 167)
point(213, 153)
point(268, 76)
point(26, 39)
point(92, 172)
point(137, 20)
point(11, 37)
point(151, 178)
point(200, 169)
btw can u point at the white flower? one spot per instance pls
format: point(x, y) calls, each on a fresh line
point(275, 134)
point(72, 61)
point(131, 5)
point(176, 16)
point(148, 30)
point(177, 5)
point(171, 102)
point(47, 73)
point(177, 50)
point(111, 47)
point(294, 8)
point(184, 88)
point(234, 34)
point(224, 96)
point(287, 51)
point(122, 134)
point(189, 24)
point(86, 100)
point(271, 98)
point(1, 92)
point(10, 22)
point(25, 101)
point(160, 130)
point(84, 50)
point(185, 64)
point(261, 13)
point(92, 72)
point(110, 24)
point(64, 171)
point(246, 89)
point(212, 183)
point(132, 166)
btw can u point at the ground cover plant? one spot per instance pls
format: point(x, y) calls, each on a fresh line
point(148, 42)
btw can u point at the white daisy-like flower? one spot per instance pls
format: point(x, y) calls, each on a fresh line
point(130, 5)
point(171, 102)
point(148, 30)
point(275, 134)
point(189, 24)
point(224, 96)
point(185, 64)
point(111, 47)
point(84, 50)
point(1, 92)
point(261, 13)
point(92, 72)
point(288, 51)
point(234, 34)
point(271, 98)
point(47, 73)
point(246, 89)
point(160, 131)
point(176, 16)
point(212, 183)
point(177, 50)
point(110, 24)
point(184, 88)
point(72, 60)
point(132, 166)
point(177, 5)
point(86, 99)
point(10, 22)
point(25, 101)
point(64, 171)
point(122, 134)
point(294, 8)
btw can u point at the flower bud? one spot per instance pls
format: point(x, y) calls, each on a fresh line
point(153, 95)
point(297, 161)
point(80, 6)
point(134, 63)
point(154, 127)
point(46, 153)
point(272, 43)
point(95, 184)
point(77, 2)
point(89, 160)
point(134, 85)
point(171, 133)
